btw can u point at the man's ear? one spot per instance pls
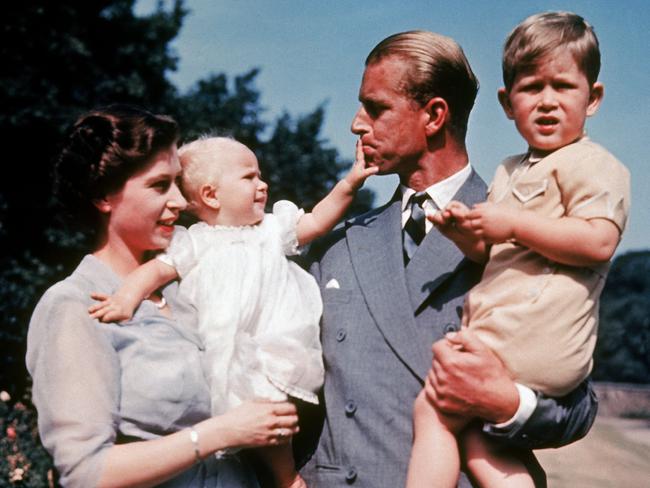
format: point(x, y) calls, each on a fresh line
point(103, 205)
point(437, 112)
point(504, 100)
point(208, 196)
point(595, 98)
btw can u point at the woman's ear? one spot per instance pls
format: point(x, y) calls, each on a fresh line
point(436, 111)
point(208, 196)
point(103, 205)
point(504, 100)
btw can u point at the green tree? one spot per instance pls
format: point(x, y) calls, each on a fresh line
point(58, 60)
point(623, 347)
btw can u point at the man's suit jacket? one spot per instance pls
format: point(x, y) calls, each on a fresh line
point(379, 322)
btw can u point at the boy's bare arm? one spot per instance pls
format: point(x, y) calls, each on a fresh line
point(137, 286)
point(331, 209)
point(567, 240)
point(452, 223)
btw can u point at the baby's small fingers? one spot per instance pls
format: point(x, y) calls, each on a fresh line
point(359, 151)
point(370, 170)
point(99, 296)
point(99, 315)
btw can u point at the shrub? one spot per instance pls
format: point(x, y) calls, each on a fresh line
point(24, 463)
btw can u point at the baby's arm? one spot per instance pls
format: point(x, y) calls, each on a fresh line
point(137, 286)
point(567, 240)
point(452, 222)
point(331, 209)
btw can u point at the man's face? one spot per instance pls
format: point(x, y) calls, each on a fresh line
point(389, 124)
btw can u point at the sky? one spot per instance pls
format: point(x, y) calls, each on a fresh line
point(312, 52)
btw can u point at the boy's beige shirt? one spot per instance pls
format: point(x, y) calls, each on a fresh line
point(540, 316)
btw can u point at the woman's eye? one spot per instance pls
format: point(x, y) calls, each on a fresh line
point(162, 185)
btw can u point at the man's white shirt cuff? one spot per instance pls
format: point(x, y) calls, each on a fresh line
point(527, 405)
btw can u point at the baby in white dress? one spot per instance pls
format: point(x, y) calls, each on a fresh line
point(258, 312)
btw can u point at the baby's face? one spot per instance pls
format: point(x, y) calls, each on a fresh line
point(241, 191)
point(550, 103)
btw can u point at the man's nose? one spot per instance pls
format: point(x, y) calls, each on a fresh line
point(360, 122)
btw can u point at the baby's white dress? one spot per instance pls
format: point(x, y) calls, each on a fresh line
point(258, 312)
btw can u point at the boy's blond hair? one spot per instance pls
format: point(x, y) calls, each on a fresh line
point(541, 34)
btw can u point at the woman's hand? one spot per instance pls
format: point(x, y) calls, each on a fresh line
point(259, 423)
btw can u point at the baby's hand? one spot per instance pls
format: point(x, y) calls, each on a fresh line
point(111, 308)
point(359, 171)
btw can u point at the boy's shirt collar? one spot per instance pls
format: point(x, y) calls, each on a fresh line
point(535, 157)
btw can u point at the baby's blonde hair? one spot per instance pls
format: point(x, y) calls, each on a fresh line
point(202, 164)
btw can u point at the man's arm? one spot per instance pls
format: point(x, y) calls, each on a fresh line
point(468, 379)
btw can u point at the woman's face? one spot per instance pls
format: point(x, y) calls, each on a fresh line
point(141, 215)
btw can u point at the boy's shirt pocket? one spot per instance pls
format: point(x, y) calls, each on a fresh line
point(527, 191)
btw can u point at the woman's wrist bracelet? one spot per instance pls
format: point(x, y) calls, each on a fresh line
point(194, 437)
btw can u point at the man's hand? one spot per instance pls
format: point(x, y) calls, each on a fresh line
point(468, 379)
point(111, 308)
point(359, 171)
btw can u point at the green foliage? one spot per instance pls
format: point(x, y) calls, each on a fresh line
point(60, 59)
point(23, 461)
point(623, 348)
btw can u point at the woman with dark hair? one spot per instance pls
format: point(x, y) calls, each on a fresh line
point(126, 406)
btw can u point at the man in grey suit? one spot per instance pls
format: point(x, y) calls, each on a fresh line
point(388, 299)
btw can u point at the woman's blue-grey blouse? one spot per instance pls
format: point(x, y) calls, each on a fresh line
point(143, 379)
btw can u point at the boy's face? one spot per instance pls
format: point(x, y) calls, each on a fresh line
point(551, 102)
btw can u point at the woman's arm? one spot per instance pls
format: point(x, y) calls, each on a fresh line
point(137, 286)
point(77, 391)
point(331, 209)
point(148, 463)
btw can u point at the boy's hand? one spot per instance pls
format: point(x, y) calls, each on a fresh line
point(453, 222)
point(111, 308)
point(359, 171)
point(493, 222)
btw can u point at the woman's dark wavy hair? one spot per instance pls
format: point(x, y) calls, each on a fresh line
point(100, 152)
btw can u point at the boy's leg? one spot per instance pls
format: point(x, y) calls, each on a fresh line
point(435, 460)
point(490, 466)
point(279, 460)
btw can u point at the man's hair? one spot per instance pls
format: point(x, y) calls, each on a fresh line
point(437, 68)
point(540, 35)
